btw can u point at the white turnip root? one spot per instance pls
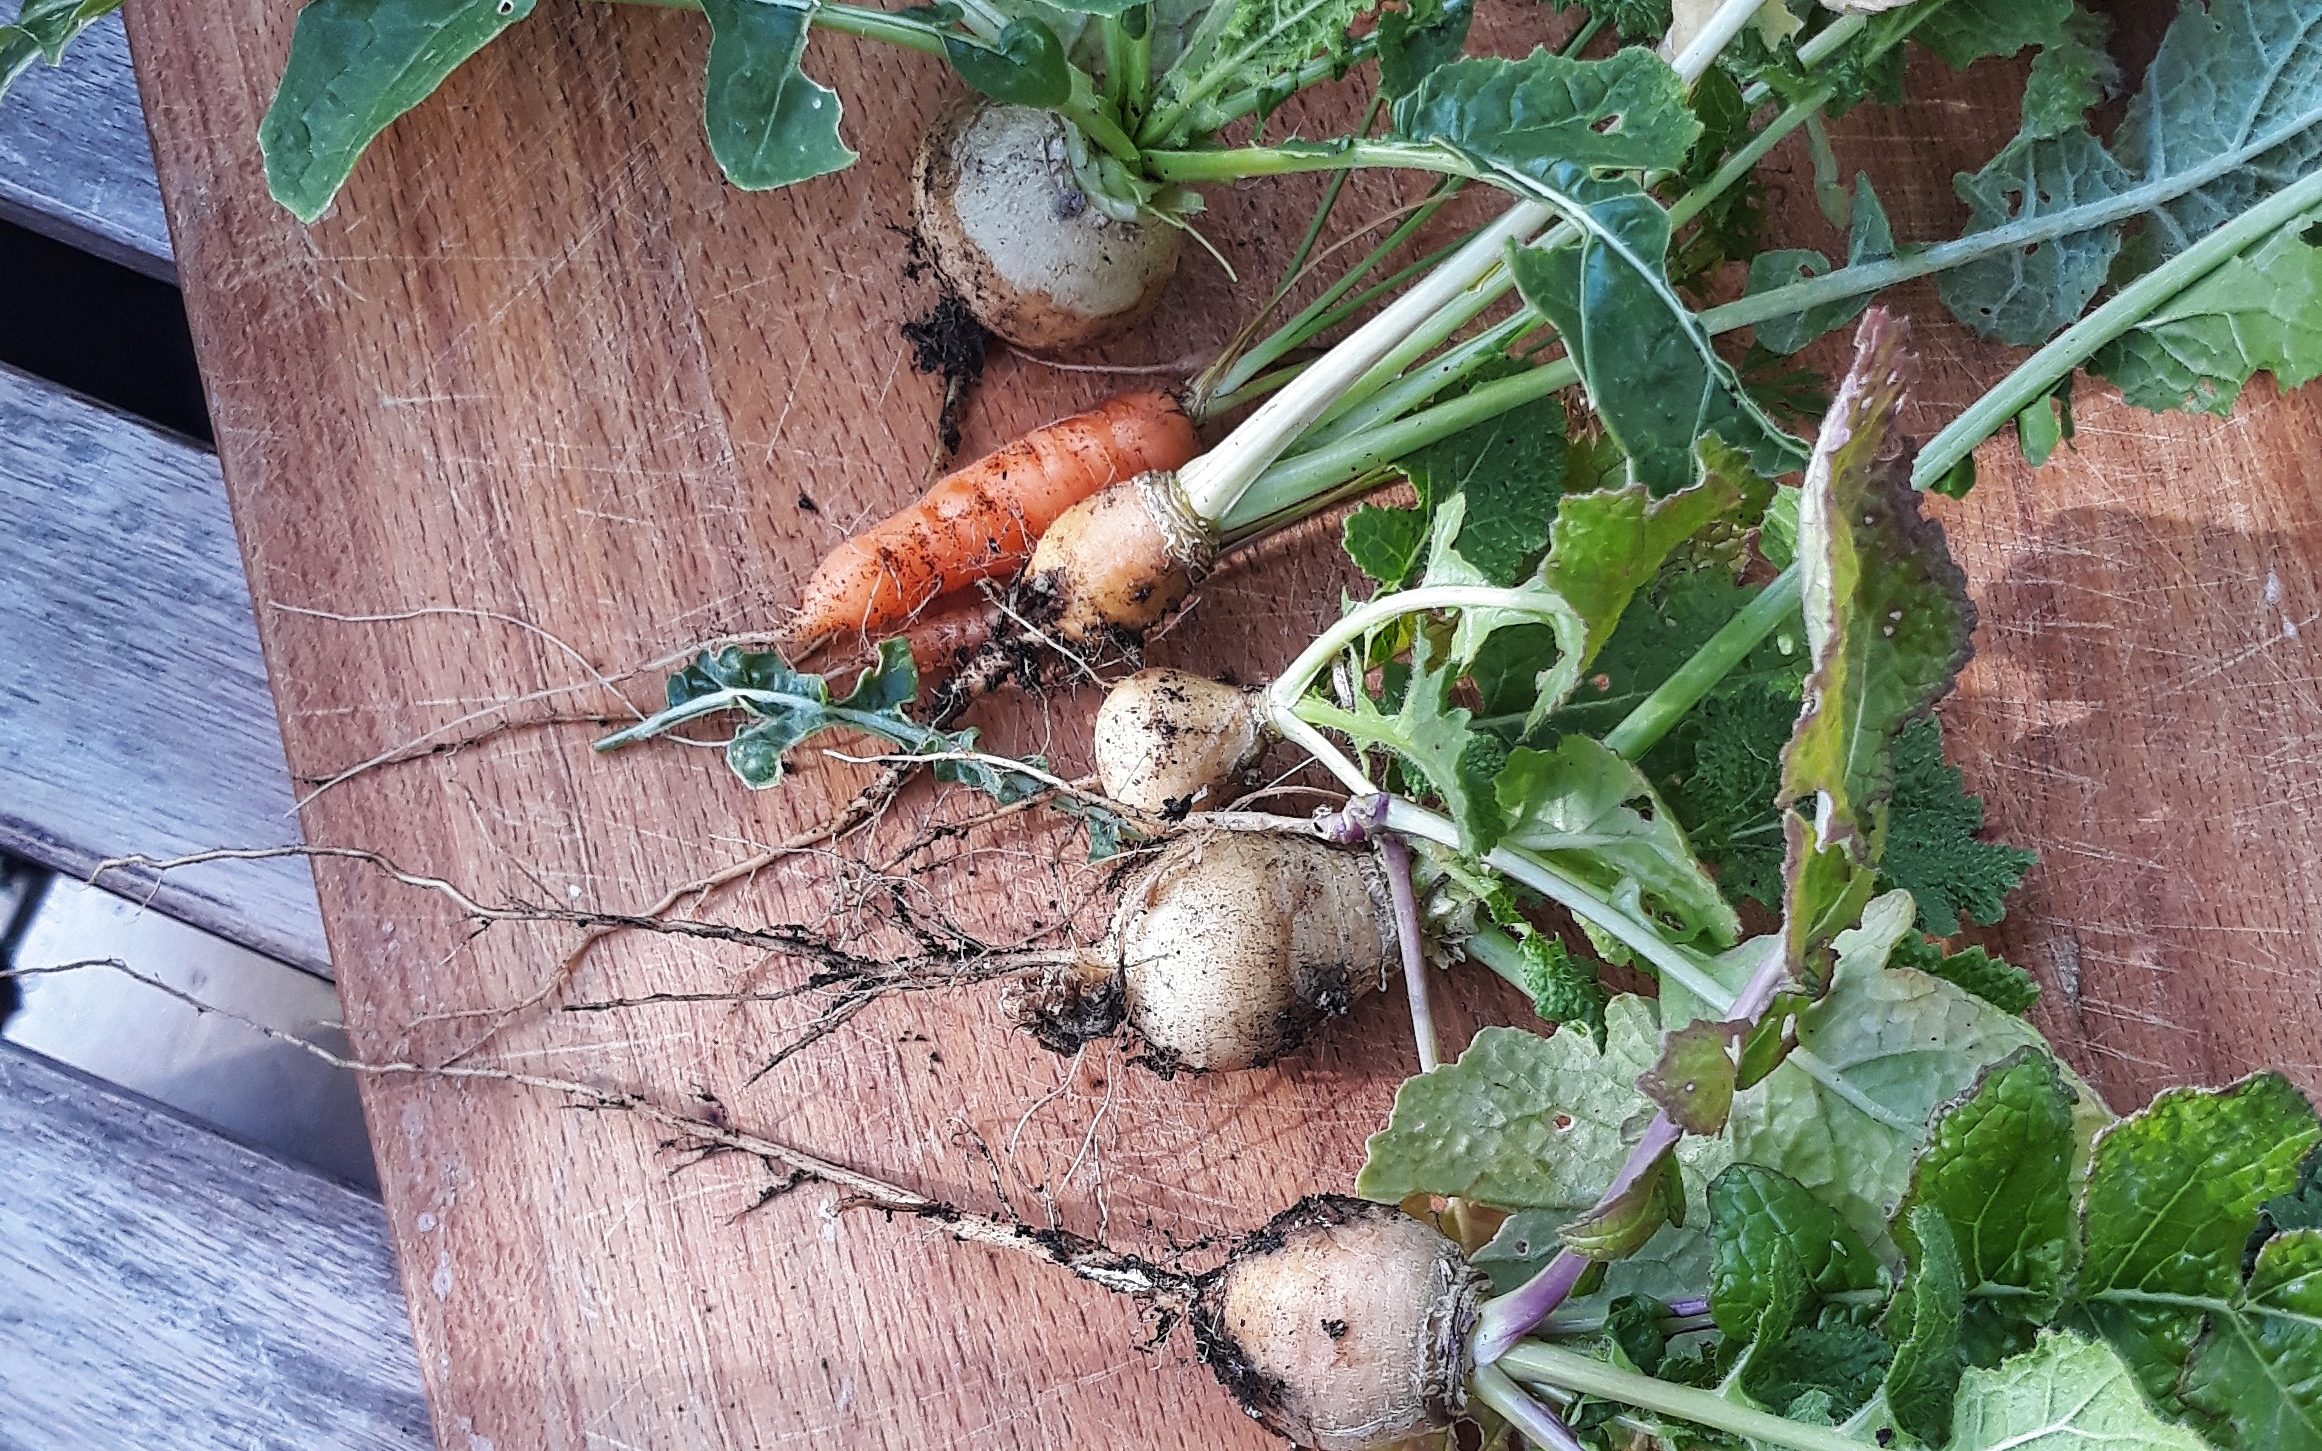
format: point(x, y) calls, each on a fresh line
point(1226, 952)
point(1167, 740)
point(1115, 564)
point(1342, 1325)
point(1007, 224)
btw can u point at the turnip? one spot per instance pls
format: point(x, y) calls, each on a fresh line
point(1167, 740)
point(1342, 1325)
point(1116, 563)
point(1226, 952)
point(1008, 223)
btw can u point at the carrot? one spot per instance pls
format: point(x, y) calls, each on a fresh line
point(946, 634)
point(980, 522)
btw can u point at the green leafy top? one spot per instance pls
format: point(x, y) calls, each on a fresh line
point(43, 29)
point(1626, 112)
point(356, 65)
point(1886, 609)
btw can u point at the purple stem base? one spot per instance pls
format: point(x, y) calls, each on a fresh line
point(1397, 859)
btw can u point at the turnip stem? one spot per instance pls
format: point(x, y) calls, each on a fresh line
point(1550, 1365)
point(1535, 1422)
point(1233, 372)
point(1323, 208)
point(1290, 481)
point(1576, 1325)
point(1396, 857)
point(1480, 279)
point(1402, 393)
point(1572, 894)
point(1820, 48)
point(1716, 33)
point(1216, 480)
point(1289, 688)
point(1508, 1318)
point(1659, 712)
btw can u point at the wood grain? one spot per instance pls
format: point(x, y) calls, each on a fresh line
point(165, 1288)
point(134, 712)
point(75, 163)
point(541, 362)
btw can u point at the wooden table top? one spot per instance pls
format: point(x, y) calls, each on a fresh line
point(541, 363)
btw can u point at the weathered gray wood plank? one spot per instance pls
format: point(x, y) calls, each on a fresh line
point(134, 710)
point(165, 1289)
point(75, 162)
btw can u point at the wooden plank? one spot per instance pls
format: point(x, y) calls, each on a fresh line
point(134, 710)
point(165, 1288)
point(75, 162)
point(541, 362)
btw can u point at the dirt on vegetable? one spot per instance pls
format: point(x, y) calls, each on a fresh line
point(947, 343)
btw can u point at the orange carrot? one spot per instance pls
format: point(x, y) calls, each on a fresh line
point(947, 633)
point(980, 522)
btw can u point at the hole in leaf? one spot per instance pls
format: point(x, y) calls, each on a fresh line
point(1605, 126)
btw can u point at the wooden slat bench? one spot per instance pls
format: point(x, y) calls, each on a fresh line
point(160, 1287)
point(163, 1288)
point(75, 163)
point(134, 711)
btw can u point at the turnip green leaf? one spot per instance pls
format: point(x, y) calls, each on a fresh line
point(769, 123)
point(1257, 46)
point(1923, 1321)
point(1609, 544)
point(1846, 1113)
point(2064, 1394)
point(2072, 74)
point(1998, 1175)
point(2230, 112)
point(2254, 1383)
point(1886, 610)
point(1660, 630)
point(2259, 313)
point(1673, 1263)
point(2172, 1196)
point(356, 65)
point(1519, 1121)
point(42, 29)
point(1651, 375)
point(1693, 1082)
point(1585, 808)
point(1778, 1251)
point(2231, 103)
point(1431, 736)
point(1963, 32)
point(1025, 66)
point(1416, 39)
point(1626, 112)
point(1870, 239)
point(2021, 295)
